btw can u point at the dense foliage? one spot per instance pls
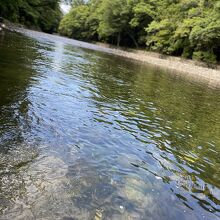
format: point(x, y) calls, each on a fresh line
point(188, 28)
point(43, 14)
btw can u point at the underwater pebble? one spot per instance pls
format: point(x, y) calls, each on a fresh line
point(98, 214)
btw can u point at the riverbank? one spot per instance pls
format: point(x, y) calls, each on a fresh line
point(194, 70)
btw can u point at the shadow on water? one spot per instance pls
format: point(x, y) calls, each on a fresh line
point(86, 135)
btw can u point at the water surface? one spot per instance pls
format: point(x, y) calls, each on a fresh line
point(89, 135)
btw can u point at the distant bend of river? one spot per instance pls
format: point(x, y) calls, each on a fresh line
point(89, 135)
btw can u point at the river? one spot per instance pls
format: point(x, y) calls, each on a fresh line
point(89, 135)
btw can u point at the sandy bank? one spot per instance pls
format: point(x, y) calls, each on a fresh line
point(188, 68)
point(195, 70)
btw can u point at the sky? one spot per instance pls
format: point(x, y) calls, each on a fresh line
point(65, 8)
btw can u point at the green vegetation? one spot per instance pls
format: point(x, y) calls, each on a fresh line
point(187, 28)
point(43, 14)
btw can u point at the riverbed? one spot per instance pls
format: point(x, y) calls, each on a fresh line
point(86, 134)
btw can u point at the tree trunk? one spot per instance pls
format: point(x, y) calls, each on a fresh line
point(119, 39)
point(133, 39)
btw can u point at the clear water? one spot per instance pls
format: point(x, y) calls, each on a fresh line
point(89, 135)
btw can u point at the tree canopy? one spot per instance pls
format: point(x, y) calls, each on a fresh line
point(43, 14)
point(188, 28)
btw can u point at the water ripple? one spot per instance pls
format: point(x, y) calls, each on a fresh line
point(88, 135)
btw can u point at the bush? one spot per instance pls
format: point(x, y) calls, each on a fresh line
point(208, 57)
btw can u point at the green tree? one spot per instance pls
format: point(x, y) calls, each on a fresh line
point(187, 27)
point(74, 23)
point(142, 16)
point(41, 14)
point(113, 19)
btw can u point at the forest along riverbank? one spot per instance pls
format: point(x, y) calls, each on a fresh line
point(196, 71)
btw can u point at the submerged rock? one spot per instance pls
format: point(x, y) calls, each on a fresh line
point(44, 190)
point(133, 190)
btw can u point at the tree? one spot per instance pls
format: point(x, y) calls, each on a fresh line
point(74, 23)
point(41, 14)
point(113, 19)
point(187, 27)
point(143, 13)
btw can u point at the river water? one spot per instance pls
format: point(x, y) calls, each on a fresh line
point(89, 135)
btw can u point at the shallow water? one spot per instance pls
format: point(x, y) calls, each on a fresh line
point(88, 135)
